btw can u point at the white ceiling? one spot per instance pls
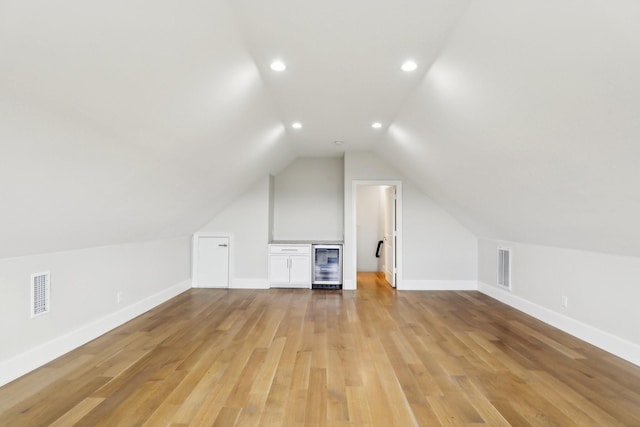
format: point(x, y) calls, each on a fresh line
point(139, 119)
point(343, 62)
point(526, 127)
point(126, 120)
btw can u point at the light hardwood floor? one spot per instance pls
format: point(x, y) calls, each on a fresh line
point(372, 357)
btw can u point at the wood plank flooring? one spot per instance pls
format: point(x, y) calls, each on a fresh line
point(371, 357)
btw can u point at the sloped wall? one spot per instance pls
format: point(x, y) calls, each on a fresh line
point(126, 121)
point(602, 291)
point(84, 305)
point(247, 221)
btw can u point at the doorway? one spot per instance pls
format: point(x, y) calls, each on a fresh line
point(377, 229)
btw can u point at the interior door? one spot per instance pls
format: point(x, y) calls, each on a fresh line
point(390, 236)
point(212, 268)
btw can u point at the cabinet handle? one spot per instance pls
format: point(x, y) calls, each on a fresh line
point(223, 245)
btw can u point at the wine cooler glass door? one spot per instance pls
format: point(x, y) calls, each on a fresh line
point(327, 264)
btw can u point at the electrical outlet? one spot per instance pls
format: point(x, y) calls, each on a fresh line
point(565, 301)
point(119, 297)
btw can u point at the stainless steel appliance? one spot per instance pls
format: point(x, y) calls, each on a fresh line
point(327, 266)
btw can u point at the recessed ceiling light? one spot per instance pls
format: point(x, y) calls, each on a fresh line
point(376, 125)
point(278, 66)
point(296, 125)
point(338, 142)
point(409, 66)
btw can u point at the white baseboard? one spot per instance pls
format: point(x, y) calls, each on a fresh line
point(620, 347)
point(249, 284)
point(209, 287)
point(46, 352)
point(437, 285)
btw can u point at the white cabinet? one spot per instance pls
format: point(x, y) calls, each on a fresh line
point(290, 266)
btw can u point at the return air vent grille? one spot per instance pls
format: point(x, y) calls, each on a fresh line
point(40, 291)
point(504, 267)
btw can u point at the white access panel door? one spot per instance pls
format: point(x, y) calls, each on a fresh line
point(212, 262)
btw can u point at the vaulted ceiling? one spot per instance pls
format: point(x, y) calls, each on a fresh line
point(134, 120)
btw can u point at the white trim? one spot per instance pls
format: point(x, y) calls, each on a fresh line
point(48, 351)
point(194, 257)
point(348, 284)
point(258, 283)
point(209, 287)
point(620, 347)
point(354, 228)
point(438, 285)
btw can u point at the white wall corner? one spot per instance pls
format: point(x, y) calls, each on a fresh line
point(613, 344)
point(348, 284)
point(36, 357)
point(257, 283)
point(437, 285)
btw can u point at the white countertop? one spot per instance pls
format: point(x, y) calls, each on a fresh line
point(306, 242)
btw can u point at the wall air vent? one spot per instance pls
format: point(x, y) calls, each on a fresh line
point(40, 291)
point(504, 267)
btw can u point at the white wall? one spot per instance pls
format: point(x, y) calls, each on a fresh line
point(271, 207)
point(84, 285)
point(602, 290)
point(368, 223)
point(437, 252)
point(308, 200)
point(247, 221)
point(437, 246)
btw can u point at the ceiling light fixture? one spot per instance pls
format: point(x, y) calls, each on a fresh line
point(296, 125)
point(376, 125)
point(278, 66)
point(338, 142)
point(408, 66)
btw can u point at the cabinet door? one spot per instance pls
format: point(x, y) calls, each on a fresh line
point(300, 269)
point(279, 268)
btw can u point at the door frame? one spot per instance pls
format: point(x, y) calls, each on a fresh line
point(354, 229)
point(194, 256)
